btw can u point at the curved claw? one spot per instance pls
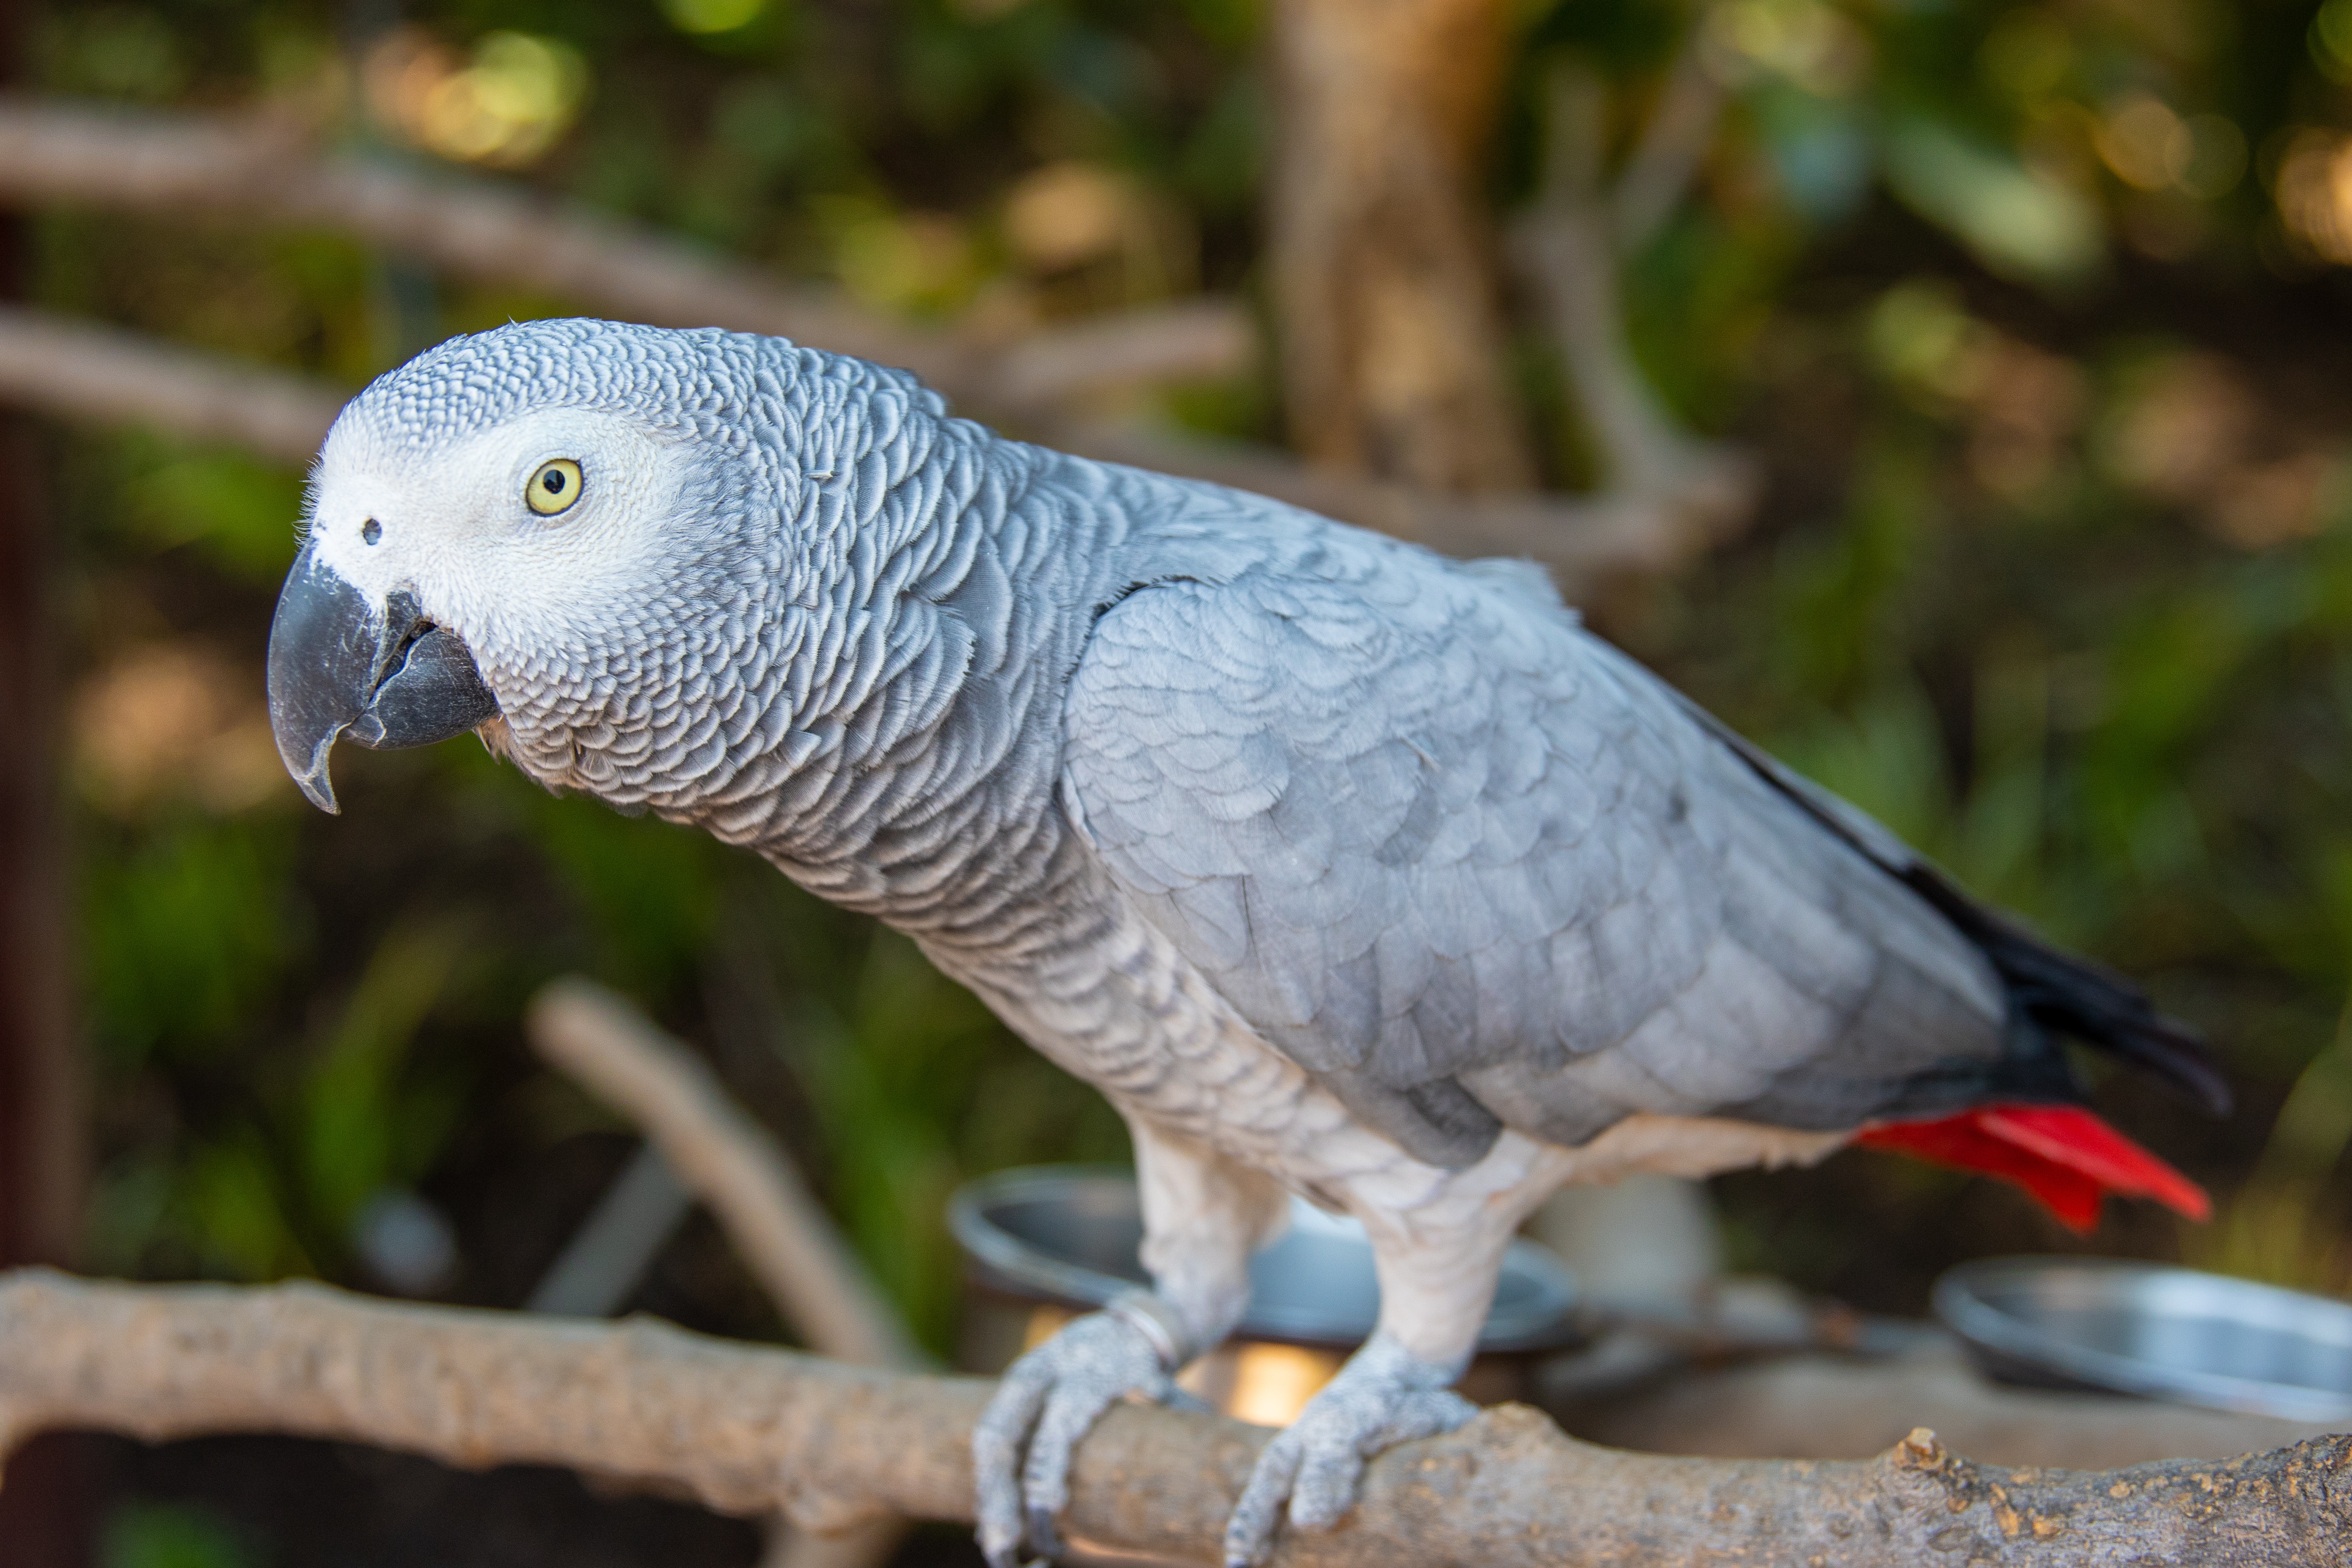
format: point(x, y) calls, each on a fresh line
point(1383, 1396)
point(1046, 1402)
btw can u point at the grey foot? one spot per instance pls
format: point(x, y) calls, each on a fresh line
point(1021, 1449)
point(1383, 1396)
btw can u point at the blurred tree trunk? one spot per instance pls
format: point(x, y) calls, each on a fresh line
point(44, 1501)
point(1392, 338)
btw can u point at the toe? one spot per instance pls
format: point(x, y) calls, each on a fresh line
point(1326, 1486)
point(1186, 1400)
point(996, 1446)
point(1249, 1533)
point(1022, 1447)
point(1045, 1533)
point(1423, 1413)
point(1075, 1405)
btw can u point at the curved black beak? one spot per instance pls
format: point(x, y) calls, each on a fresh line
point(381, 673)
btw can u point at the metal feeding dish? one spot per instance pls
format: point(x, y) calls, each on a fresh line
point(1070, 1234)
point(2165, 1333)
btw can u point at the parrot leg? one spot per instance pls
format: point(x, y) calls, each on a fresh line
point(1434, 1294)
point(1202, 1217)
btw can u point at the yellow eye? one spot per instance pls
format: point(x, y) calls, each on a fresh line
point(553, 488)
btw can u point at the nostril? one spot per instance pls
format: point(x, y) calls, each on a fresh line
point(371, 531)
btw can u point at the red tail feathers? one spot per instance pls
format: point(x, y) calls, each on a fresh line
point(2066, 1157)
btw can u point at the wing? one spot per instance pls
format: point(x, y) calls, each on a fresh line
point(1471, 868)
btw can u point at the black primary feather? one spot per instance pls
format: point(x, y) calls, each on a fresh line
point(2074, 996)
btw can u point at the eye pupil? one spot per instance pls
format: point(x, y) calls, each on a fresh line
point(554, 486)
point(371, 531)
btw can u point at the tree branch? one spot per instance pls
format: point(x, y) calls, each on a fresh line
point(750, 1431)
point(735, 1167)
point(253, 168)
point(1673, 142)
point(731, 1163)
point(250, 169)
point(85, 370)
point(1393, 339)
point(81, 370)
point(1567, 247)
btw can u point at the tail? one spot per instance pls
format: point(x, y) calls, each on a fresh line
point(2069, 995)
point(2026, 1127)
point(2062, 1154)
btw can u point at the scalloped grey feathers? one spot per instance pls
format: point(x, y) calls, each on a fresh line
point(1456, 858)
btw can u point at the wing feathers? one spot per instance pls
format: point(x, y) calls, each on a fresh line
point(1452, 855)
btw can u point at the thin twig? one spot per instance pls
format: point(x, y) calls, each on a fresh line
point(776, 1225)
point(1567, 249)
point(754, 1431)
point(1672, 143)
point(612, 1249)
point(731, 1163)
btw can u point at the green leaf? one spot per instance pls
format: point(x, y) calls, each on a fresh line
point(355, 1137)
point(2018, 223)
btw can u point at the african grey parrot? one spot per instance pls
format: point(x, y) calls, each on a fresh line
point(1344, 869)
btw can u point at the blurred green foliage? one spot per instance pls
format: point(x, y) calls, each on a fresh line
point(173, 1535)
point(2034, 312)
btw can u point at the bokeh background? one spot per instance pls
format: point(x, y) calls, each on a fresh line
point(2002, 350)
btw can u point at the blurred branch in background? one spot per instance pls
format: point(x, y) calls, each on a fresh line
point(106, 375)
point(1666, 156)
point(1392, 337)
point(731, 1163)
point(776, 1225)
point(81, 369)
point(751, 1431)
point(151, 162)
point(606, 1258)
point(1570, 245)
point(253, 167)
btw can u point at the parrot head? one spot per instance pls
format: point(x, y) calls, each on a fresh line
point(598, 545)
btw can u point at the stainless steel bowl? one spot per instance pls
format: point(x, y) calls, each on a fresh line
point(1069, 1234)
point(2165, 1333)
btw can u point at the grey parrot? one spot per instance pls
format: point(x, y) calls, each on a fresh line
point(1344, 869)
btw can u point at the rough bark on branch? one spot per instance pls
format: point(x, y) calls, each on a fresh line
point(751, 1431)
